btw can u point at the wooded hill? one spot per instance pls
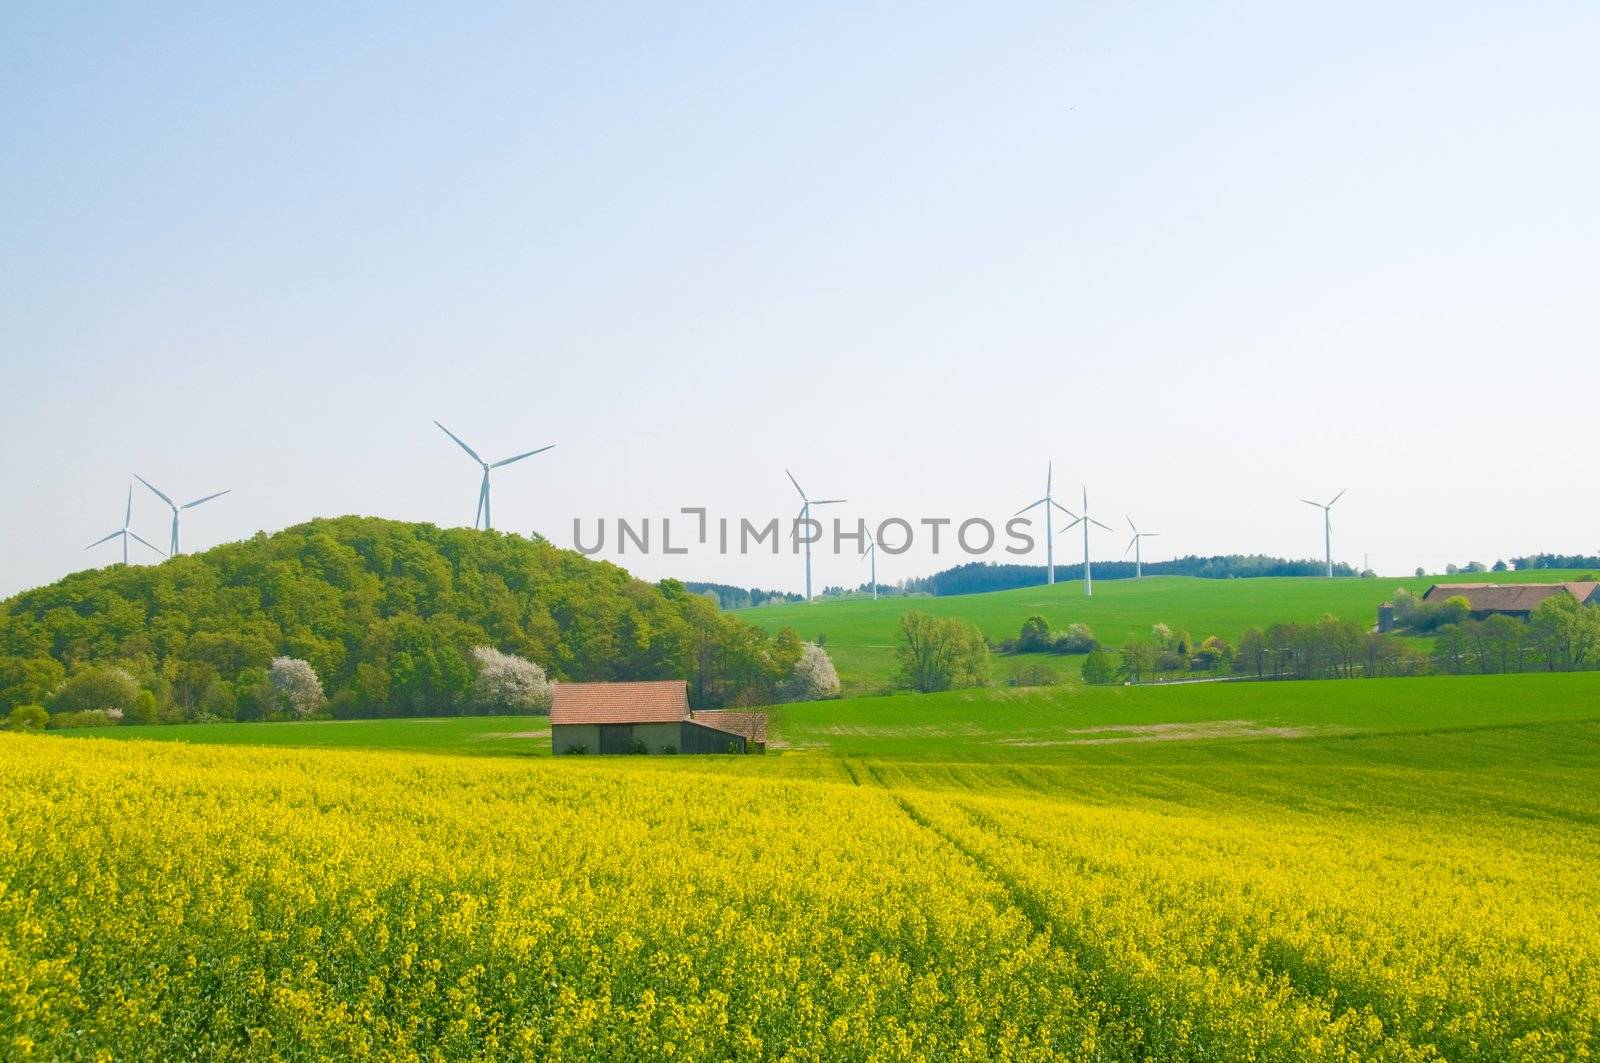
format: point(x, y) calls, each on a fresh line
point(386, 612)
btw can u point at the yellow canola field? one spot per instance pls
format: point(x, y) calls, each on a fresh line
point(163, 901)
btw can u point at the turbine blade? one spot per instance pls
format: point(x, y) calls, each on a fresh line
point(1308, 502)
point(1131, 524)
point(1029, 506)
point(127, 517)
point(1107, 527)
point(1049, 477)
point(463, 446)
point(796, 483)
point(1129, 548)
point(519, 457)
point(156, 489)
point(829, 501)
point(1074, 524)
point(196, 502)
point(1150, 535)
point(1337, 497)
point(107, 539)
point(151, 545)
point(1062, 508)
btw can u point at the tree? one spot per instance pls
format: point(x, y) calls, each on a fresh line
point(1253, 653)
point(1100, 667)
point(103, 686)
point(1567, 633)
point(941, 653)
point(1499, 566)
point(1035, 636)
point(813, 679)
point(1450, 649)
point(28, 680)
point(1421, 572)
point(296, 689)
point(507, 683)
point(1138, 659)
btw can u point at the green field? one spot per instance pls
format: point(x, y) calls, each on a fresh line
point(861, 634)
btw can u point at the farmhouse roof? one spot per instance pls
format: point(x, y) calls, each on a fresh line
point(752, 726)
point(660, 701)
point(1509, 597)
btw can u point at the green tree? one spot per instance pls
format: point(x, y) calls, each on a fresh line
point(1138, 660)
point(1100, 667)
point(28, 680)
point(1035, 636)
point(941, 653)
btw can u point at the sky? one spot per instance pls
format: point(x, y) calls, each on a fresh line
point(1208, 259)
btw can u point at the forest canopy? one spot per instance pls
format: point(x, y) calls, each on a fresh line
point(386, 612)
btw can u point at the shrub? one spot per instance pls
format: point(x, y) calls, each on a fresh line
point(63, 721)
point(27, 718)
point(1077, 639)
point(577, 749)
point(508, 683)
point(813, 679)
point(638, 748)
point(100, 686)
point(669, 749)
point(144, 711)
point(1034, 675)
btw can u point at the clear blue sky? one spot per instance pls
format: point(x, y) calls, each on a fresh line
point(1210, 259)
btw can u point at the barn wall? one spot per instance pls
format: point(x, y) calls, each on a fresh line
point(698, 739)
point(567, 735)
point(656, 735)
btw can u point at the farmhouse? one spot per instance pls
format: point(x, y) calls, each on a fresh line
point(651, 717)
point(1510, 599)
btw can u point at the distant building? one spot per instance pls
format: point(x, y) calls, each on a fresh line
point(1510, 599)
point(622, 717)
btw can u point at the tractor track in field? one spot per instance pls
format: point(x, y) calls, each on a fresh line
point(1130, 1007)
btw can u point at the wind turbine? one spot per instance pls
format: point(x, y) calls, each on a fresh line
point(176, 509)
point(1327, 526)
point(872, 551)
point(126, 532)
point(1133, 544)
point(1085, 520)
point(483, 490)
point(805, 514)
point(1049, 523)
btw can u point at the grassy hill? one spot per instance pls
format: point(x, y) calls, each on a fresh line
point(387, 614)
point(862, 634)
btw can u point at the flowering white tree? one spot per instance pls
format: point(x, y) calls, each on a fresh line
point(813, 678)
point(295, 686)
point(505, 681)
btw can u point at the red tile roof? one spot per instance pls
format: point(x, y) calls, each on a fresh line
point(750, 725)
point(659, 701)
point(1508, 597)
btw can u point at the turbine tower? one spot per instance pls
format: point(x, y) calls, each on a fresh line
point(872, 551)
point(126, 532)
point(1085, 520)
point(176, 509)
point(1133, 544)
point(805, 514)
point(1327, 526)
point(483, 488)
point(1049, 523)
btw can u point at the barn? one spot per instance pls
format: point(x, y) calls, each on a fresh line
point(647, 717)
point(1511, 599)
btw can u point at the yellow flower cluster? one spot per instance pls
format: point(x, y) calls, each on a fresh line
point(161, 901)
